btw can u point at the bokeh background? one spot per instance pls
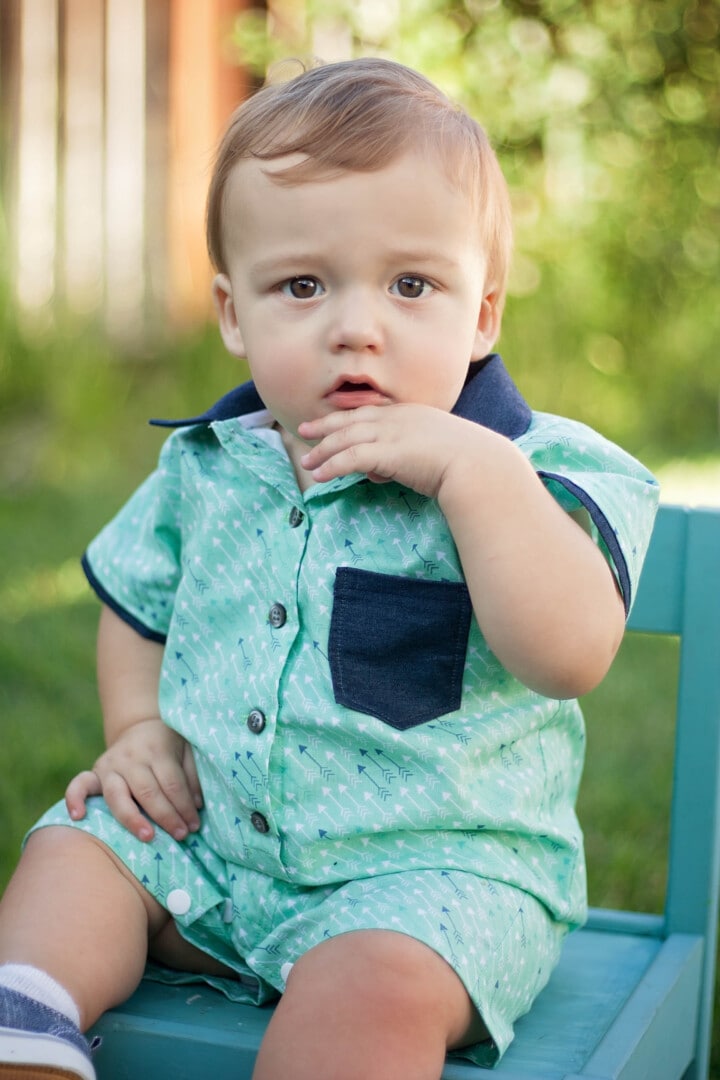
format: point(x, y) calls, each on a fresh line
point(606, 118)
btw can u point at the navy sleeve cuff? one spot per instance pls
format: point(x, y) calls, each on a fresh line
point(605, 530)
point(111, 602)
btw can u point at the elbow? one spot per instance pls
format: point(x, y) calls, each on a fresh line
point(564, 657)
point(574, 665)
point(566, 684)
point(577, 671)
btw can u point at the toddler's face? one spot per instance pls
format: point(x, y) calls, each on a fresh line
point(368, 288)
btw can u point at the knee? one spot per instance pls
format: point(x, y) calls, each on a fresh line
point(55, 848)
point(62, 846)
point(393, 985)
point(368, 1003)
point(376, 964)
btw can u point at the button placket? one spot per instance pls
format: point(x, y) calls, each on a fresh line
point(257, 721)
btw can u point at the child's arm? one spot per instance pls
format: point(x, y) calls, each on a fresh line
point(543, 594)
point(147, 766)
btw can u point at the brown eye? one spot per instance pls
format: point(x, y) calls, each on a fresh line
point(302, 288)
point(411, 288)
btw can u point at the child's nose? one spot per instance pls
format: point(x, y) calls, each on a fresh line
point(356, 325)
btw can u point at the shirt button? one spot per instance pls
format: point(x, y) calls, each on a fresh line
point(178, 902)
point(277, 616)
point(256, 721)
point(259, 822)
point(296, 517)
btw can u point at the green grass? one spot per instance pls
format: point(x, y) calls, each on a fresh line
point(625, 796)
point(51, 726)
point(48, 699)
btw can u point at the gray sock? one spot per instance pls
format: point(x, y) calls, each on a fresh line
point(37, 984)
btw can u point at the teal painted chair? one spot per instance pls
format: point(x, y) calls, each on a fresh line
point(632, 996)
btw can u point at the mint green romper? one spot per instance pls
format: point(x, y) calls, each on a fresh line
point(365, 760)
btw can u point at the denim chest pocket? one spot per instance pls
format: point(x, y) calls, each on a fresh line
point(397, 645)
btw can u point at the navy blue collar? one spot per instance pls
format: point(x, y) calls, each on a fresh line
point(489, 397)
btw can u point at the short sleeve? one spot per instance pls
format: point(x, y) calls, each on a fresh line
point(134, 563)
point(583, 470)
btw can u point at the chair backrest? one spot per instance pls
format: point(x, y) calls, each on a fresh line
point(679, 594)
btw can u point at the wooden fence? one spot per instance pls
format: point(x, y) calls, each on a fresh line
point(110, 111)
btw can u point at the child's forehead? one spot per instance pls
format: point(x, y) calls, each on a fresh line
point(290, 177)
point(407, 211)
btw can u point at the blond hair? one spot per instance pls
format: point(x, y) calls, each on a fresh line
point(360, 115)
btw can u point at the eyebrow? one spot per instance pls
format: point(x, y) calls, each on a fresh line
point(411, 256)
point(282, 263)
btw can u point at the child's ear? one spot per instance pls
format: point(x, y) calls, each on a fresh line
point(227, 318)
point(488, 326)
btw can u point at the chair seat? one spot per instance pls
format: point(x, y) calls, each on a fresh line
point(613, 994)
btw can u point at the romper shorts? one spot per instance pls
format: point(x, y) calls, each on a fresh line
point(502, 942)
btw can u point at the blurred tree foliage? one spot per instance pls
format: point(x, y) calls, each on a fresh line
point(606, 118)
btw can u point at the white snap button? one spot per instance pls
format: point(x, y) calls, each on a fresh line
point(178, 902)
point(285, 971)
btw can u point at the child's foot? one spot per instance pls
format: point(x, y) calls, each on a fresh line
point(37, 1042)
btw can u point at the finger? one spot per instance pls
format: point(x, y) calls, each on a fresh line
point(369, 459)
point(79, 790)
point(163, 793)
point(188, 763)
point(352, 448)
point(153, 800)
point(342, 420)
point(124, 808)
point(175, 788)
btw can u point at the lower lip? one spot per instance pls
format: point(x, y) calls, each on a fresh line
point(355, 399)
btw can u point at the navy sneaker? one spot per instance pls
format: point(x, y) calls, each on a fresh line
point(37, 1042)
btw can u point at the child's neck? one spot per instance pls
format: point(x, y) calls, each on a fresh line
point(295, 449)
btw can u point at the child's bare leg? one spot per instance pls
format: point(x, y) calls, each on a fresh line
point(73, 911)
point(368, 1003)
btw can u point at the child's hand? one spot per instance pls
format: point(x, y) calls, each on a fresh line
point(411, 444)
point(557, 628)
point(149, 768)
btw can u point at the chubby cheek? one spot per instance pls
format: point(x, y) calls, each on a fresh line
point(283, 391)
point(438, 384)
point(437, 362)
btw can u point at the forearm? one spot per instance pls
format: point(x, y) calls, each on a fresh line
point(128, 668)
point(542, 592)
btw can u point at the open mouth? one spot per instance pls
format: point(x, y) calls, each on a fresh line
point(348, 387)
point(353, 393)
